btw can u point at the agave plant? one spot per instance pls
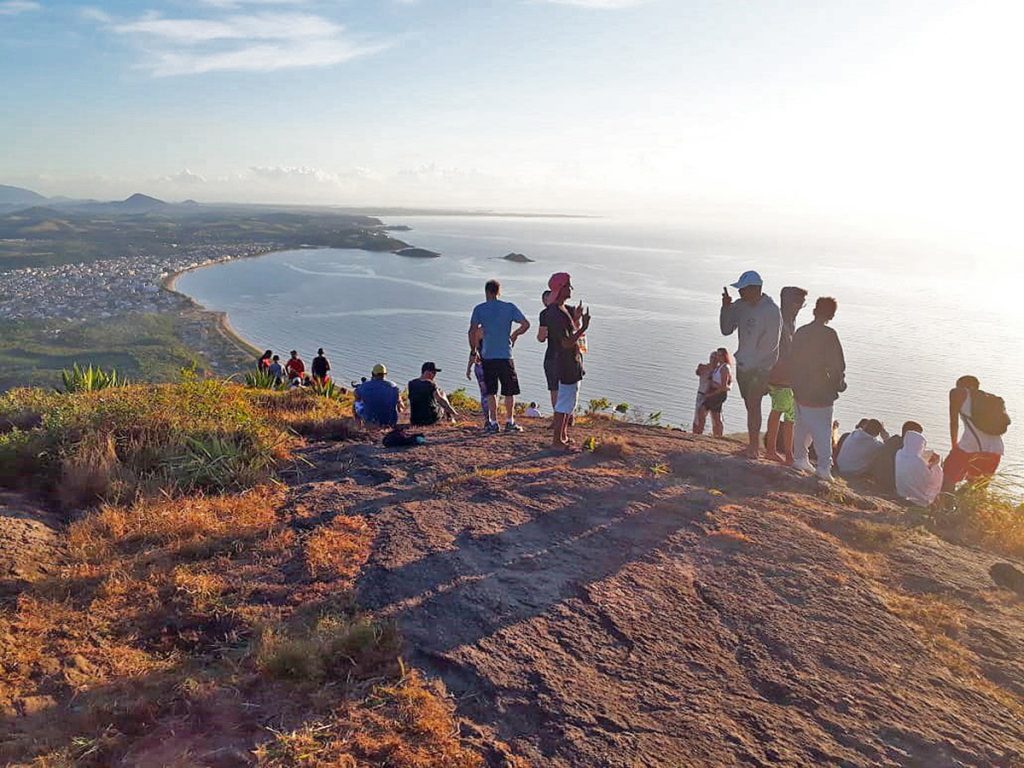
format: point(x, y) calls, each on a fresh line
point(91, 379)
point(261, 380)
point(327, 388)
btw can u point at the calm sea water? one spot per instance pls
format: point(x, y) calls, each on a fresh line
point(910, 321)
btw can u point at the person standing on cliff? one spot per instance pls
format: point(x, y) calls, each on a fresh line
point(818, 373)
point(295, 367)
point(492, 322)
point(758, 323)
point(566, 333)
point(780, 388)
point(320, 367)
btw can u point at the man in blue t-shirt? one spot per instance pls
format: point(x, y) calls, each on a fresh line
point(381, 399)
point(492, 322)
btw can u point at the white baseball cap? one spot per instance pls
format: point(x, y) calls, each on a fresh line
point(748, 279)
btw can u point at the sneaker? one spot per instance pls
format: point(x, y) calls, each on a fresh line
point(802, 466)
point(492, 428)
point(511, 426)
point(825, 476)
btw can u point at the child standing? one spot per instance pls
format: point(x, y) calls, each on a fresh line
point(475, 368)
point(700, 413)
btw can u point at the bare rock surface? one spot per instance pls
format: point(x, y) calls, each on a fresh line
point(30, 543)
point(666, 602)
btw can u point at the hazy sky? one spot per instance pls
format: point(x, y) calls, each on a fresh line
point(878, 113)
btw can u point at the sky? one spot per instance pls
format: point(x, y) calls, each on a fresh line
point(894, 116)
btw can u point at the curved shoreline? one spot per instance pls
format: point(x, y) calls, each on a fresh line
point(219, 320)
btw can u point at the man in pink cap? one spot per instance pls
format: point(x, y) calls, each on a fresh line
point(563, 334)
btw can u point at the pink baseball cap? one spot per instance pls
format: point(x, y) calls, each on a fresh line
point(558, 282)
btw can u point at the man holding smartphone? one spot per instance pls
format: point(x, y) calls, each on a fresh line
point(758, 323)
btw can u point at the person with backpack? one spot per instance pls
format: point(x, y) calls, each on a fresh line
point(977, 452)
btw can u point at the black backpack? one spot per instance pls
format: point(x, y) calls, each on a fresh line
point(988, 413)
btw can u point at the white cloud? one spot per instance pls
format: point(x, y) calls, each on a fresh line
point(253, 42)
point(14, 7)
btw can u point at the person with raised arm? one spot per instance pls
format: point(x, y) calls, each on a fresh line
point(757, 321)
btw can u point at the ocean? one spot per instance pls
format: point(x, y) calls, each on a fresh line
point(911, 321)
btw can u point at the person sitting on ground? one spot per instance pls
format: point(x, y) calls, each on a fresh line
point(918, 471)
point(492, 323)
point(757, 321)
point(703, 373)
point(721, 383)
point(883, 468)
point(783, 415)
point(532, 412)
point(320, 367)
point(817, 370)
point(263, 364)
point(276, 371)
point(380, 398)
point(426, 402)
point(295, 367)
point(475, 369)
point(977, 453)
point(861, 448)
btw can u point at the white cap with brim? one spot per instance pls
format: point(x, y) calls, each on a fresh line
point(748, 279)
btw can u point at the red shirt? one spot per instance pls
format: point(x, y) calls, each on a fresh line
point(295, 367)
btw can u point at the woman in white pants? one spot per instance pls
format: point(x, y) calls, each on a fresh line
point(819, 375)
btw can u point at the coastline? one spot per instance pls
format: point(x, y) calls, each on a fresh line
point(217, 322)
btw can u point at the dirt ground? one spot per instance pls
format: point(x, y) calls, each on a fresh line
point(679, 605)
point(30, 542)
point(658, 601)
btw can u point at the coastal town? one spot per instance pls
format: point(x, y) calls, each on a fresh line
point(108, 287)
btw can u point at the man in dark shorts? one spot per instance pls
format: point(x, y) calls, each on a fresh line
point(492, 322)
point(320, 367)
point(757, 321)
point(426, 402)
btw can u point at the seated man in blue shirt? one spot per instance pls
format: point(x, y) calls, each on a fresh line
point(380, 398)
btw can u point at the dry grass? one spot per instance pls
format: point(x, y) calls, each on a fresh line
point(180, 611)
point(987, 515)
point(731, 534)
point(609, 447)
point(338, 550)
point(406, 724)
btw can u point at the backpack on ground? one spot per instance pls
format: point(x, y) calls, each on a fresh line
point(988, 413)
point(399, 438)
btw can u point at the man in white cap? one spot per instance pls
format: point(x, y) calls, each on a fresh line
point(758, 321)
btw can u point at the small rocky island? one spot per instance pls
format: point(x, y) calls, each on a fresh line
point(518, 258)
point(417, 253)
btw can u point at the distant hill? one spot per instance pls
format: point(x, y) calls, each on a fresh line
point(19, 196)
point(139, 203)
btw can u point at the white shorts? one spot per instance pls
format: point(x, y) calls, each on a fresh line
point(568, 398)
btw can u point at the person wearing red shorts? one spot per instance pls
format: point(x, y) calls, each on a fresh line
point(976, 453)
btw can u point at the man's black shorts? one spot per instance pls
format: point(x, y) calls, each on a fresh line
point(503, 372)
point(551, 373)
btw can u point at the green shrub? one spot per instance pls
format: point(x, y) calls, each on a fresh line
point(90, 379)
point(598, 405)
point(261, 380)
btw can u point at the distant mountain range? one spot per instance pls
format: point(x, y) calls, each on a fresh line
point(17, 198)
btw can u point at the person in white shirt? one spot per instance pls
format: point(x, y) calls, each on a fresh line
point(532, 412)
point(860, 448)
point(918, 471)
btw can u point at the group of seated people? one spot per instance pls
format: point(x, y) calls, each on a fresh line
point(899, 465)
point(379, 401)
